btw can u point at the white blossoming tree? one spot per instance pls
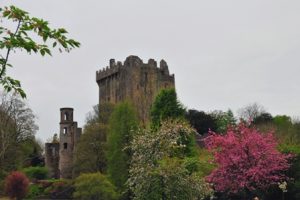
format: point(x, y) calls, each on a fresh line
point(163, 164)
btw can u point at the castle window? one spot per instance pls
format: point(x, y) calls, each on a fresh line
point(66, 117)
point(65, 130)
point(53, 151)
point(65, 145)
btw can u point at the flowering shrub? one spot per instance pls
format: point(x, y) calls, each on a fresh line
point(246, 159)
point(16, 185)
point(162, 166)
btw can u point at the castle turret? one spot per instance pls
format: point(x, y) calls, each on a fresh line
point(68, 137)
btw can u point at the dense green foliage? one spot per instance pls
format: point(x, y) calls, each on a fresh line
point(94, 186)
point(223, 120)
point(123, 123)
point(165, 164)
point(90, 152)
point(201, 121)
point(165, 106)
point(36, 173)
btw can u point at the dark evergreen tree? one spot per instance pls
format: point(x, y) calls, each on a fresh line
point(201, 121)
point(166, 106)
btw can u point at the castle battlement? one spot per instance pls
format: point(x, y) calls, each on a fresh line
point(106, 72)
point(131, 61)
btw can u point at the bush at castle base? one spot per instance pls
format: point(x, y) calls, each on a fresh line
point(16, 185)
point(94, 186)
point(36, 173)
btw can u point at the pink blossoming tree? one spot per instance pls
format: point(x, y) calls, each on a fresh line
point(247, 160)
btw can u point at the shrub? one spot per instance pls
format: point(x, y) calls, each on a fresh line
point(51, 189)
point(34, 191)
point(94, 186)
point(62, 189)
point(16, 185)
point(38, 173)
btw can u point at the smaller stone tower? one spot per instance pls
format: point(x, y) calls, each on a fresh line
point(68, 138)
point(52, 158)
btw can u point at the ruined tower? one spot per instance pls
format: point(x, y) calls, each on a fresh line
point(59, 153)
point(134, 81)
point(52, 158)
point(68, 138)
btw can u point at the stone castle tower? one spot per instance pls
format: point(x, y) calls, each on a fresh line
point(52, 158)
point(59, 155)
point(134, 81)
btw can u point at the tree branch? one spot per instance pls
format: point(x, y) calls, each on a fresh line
point(8, 51)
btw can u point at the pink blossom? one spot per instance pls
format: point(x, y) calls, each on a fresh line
point(246, 159)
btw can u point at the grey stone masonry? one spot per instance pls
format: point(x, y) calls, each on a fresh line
point(135, 81)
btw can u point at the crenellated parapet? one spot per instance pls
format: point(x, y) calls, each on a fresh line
point(131, 61)
point(108, 71)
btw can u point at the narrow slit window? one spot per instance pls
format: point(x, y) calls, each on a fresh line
point(66, 117)
point(53, 151)
point(65, 130)
point(65, 145)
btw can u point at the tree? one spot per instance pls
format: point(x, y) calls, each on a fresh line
point(17, 130)
point(94, 186)
point(165, 106)
point(251, 111)
point(100, 114)
point(282, 121)
point(16, 185)
point(201, 121)
point(90, 151)
point(224, 120)
point(122, 124)
point(263, 118)
point(162, 165)
point(247, 160)
point(20, 39)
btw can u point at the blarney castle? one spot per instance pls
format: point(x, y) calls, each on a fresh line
point(134, 81)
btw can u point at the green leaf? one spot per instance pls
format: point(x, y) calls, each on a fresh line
point(22, 93)
point(42, 51)
point(48, 51)
point(62, 30)
point(6, 13)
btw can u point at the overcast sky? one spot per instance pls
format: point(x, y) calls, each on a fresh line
point(224, 53)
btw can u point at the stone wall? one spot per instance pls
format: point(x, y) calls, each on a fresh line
point(52, 159)
point(135, 81)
